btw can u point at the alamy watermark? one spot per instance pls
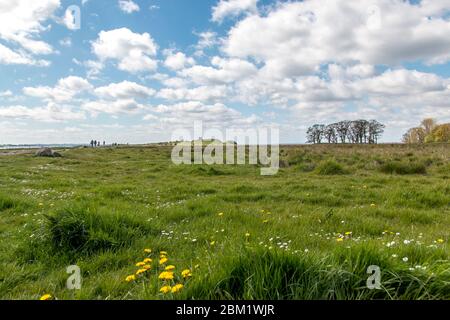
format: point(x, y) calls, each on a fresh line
point(74, 280)
point(229, 147)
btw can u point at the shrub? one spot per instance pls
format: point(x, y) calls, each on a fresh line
point(330, 167)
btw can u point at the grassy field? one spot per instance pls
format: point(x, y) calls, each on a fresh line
point(309, 232)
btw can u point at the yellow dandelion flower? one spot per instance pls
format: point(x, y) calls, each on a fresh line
point(130, 278)
point(148, 260)
point(220, 214)
point(163, 260)
point(186, 273)
point(140, 271)
point(177, 288)
point(339, 239)
point(46, 297)
point(147, 267)
point(348, 233)
point(140, 264)
point(165, 289)
point(166, 275)
point(170, 268)
point(148, 250)
point(440, 240)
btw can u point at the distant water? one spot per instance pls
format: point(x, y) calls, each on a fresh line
point(38, 146)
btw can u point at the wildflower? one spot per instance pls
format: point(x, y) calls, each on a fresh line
point(46, 297)
point(440, 240)
point(348, 233)
point(339, 239)
point(373, 205)
point(163, 253)
point(147, 267)
point(177, 288)
point(194, 240)
point(406, 241)
point(169, 268)
point(140, 264)
point(212, 243)
point(166, 275)
point(140, 271)
point(186, 273)
point(165, 289)
point(220, 214)
point(405, 259)
point(148, 250)
point(247, 234)
point(394, 256)
point(148, 260)
point(163, 260)
point(130, 278)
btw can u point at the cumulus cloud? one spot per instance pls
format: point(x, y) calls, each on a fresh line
point(124, 90)
point(296, 38)
point(233, 8)
point(178, 60)
point(221, 71)
point(21, 22)
point(184, 114)
point(128, 6)
point(125, 106)
point(202, 93)
point(49, 113)
point(65, 90)
point(134, 52)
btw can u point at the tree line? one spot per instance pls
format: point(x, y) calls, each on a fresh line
point(356, 131)
point(428, 131)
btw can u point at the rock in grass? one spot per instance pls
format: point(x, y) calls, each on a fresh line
point(47, 152)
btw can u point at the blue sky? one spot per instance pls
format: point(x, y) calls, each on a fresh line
point(138, 70)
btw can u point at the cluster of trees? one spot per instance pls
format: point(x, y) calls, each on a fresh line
point(428, 131)
point(358, 131)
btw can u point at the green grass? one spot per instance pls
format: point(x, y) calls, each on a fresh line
point(276, 236)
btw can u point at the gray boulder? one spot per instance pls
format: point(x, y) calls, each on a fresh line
point(47, 152)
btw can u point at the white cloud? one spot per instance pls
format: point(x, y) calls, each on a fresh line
point(7, 93)
point(65, 90)
point(296, 38)
point(128, 106)
point(185, 113)
point(128, 6)
point(222, 71)
point(66, 42)
point(124, 90)
point(207, 39)
point(21, 22)
point(49, 113)
point(178, 60)
point(133, 51)
point(202, 93)
point(233, 8)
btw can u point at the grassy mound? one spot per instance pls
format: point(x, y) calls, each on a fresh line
point(330, 167)
point(263, 275)
point(397, 167)
point(81, 231)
